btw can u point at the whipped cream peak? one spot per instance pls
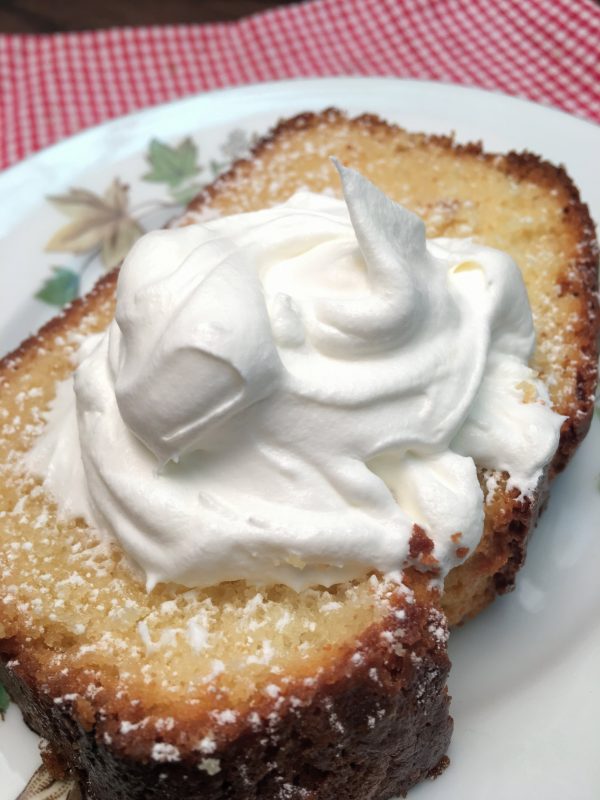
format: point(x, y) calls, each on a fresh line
point(391, 240)
point(284, 394)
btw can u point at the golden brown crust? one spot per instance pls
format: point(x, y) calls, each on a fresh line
point(370, 727)
point(68, 320)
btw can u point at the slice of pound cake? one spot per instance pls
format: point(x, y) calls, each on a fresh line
point(275, 661)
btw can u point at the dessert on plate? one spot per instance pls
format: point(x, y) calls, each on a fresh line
point(249, 482)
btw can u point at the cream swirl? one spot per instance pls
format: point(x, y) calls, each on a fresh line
point(284, 394)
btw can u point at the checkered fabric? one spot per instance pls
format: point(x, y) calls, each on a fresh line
point(52, 86)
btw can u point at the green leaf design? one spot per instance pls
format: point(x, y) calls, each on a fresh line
point(185, 194)
point(217, 167)
point(4, 700)
point(172, 165)
point(61, 288)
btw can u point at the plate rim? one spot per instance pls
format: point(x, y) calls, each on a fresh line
point(265, 87)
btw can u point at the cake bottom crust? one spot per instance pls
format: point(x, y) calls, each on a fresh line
point(371, 735)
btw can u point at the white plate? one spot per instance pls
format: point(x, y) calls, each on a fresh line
point(525, 680)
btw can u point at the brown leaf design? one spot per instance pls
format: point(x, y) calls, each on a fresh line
point(118, 242)
point(96, 221)
point(42, 786)
point(78, 200)
point(117, 195)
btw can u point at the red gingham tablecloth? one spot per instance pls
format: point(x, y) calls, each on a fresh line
point(52, 86)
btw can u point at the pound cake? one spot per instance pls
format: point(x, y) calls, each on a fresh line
point(234, 691)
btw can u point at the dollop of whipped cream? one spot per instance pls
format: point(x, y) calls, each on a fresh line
point(285, 394)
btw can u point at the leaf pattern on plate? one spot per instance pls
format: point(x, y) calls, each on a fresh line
point(238, 144)
point(185, 194)
point(96, 222)
point(106, 226)
point(61, 288)
point(172, 165)
point(4, 701)
point(176, 166)
point(42, 786)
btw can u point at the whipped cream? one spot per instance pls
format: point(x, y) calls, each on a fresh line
point(284, 394)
